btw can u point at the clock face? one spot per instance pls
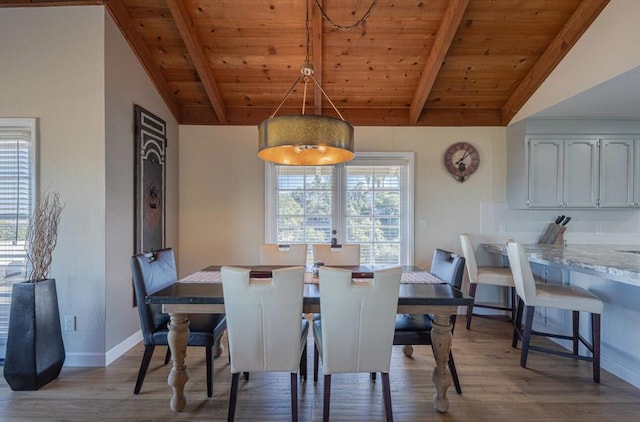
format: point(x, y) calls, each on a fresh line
point(461, 160)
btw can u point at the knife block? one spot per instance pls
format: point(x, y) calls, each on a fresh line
point(553, 235)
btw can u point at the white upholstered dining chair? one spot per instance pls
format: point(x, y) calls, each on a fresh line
point(496, 276)
point(279, 254)
point(559, 296)
point(347, 254)
point(356, 331)
point(264, 328)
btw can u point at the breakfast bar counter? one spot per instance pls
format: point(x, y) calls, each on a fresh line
point(614, 262)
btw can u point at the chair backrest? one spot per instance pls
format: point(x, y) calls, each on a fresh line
point(522, 274)
point(448, 267)
point(291, 254)
point(263, 319)
point(348, 254)
point(358, 321)
point(152, 272)
point(470, 257)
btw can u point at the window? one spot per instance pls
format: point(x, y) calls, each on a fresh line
point(368, 200)
point(17, 187)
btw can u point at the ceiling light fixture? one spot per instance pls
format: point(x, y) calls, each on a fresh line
point(307, 139)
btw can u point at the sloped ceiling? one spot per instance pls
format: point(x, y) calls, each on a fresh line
point(422, 63)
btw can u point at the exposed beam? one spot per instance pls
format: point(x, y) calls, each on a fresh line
point(119, 13)
point(577, 24)
point(448, 28)
point(316, 42)
point(184, 22)
point(204, 115)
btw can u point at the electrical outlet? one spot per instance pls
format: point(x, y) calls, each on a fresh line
point(502, 228)
point(422, 224)
point(69, 322)
point(598, 230)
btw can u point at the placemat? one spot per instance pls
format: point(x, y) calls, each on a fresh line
point(215, 277)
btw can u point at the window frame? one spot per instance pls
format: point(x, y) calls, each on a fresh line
point(403, 159)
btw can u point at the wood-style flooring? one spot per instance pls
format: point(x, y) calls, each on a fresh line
point(495, 388)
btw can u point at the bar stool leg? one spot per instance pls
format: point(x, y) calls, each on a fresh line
point(595, 328)
point(526, 338)
point(576, 331)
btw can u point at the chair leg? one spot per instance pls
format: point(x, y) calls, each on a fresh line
point(327, 398)
point(373, 376)
point(315, 362)
point(209, 367)
point(386, 392)
point(514, 301)
point(294, 397)
point(167, 357)
point(526, 338)
point(595, 335)
point(146, 359)
point(472, 293)
point(245, 375)
point(517, 326)
point(576, 331)
point(454, 373)
point(303, 364)
point(233, 396)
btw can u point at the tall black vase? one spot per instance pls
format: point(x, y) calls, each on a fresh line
point(35, 351)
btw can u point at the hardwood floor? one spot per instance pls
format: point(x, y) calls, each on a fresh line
point(495, 388)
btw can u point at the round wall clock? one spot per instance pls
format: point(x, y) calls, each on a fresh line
point(461, 160)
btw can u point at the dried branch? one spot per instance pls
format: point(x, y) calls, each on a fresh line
point(42, 235)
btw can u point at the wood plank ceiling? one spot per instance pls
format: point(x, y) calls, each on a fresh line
point(412, 62)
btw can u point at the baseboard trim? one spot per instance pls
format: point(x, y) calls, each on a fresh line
point(102, 359)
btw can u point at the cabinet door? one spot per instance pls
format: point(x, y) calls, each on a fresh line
point(616, 172)
point(545, 173)
point(581, 170)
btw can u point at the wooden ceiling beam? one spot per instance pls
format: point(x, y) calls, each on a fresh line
point(577, 24)
point(119, 14)
point(448, 28)
point(457, 117)
point(184, 22)
point(316, 37)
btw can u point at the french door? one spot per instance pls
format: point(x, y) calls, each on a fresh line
point(368, 200)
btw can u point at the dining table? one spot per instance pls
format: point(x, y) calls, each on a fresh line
point(420, 293)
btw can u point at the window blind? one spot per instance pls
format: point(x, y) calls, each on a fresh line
point(17, 174)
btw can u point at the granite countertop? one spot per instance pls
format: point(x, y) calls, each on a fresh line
point(613, 262)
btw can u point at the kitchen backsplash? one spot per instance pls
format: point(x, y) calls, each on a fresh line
point(498, 223)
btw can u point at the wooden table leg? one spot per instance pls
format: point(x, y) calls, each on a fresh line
point(179, 375)
point(441, 338)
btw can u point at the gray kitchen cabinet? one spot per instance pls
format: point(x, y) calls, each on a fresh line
point(617, 161)
point(573, 163)
point(563, 172)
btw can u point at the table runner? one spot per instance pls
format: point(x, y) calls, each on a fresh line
point(407, 278)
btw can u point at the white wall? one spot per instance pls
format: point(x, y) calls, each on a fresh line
point(52, 68)
point(222, 188)
point(607, 49)
point(126, 84)
point(71, 68)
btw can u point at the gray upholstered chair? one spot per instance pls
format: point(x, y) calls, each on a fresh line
point(416, 329)
point(264, 327)
point(355, 333)
point(153, 272)
point(496, 276)
point(571, 298)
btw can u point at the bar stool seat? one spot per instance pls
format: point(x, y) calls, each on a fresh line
point(565, 297)
point(496, 276)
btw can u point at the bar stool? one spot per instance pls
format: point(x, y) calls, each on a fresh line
point(572, 298)
point(497, 276)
